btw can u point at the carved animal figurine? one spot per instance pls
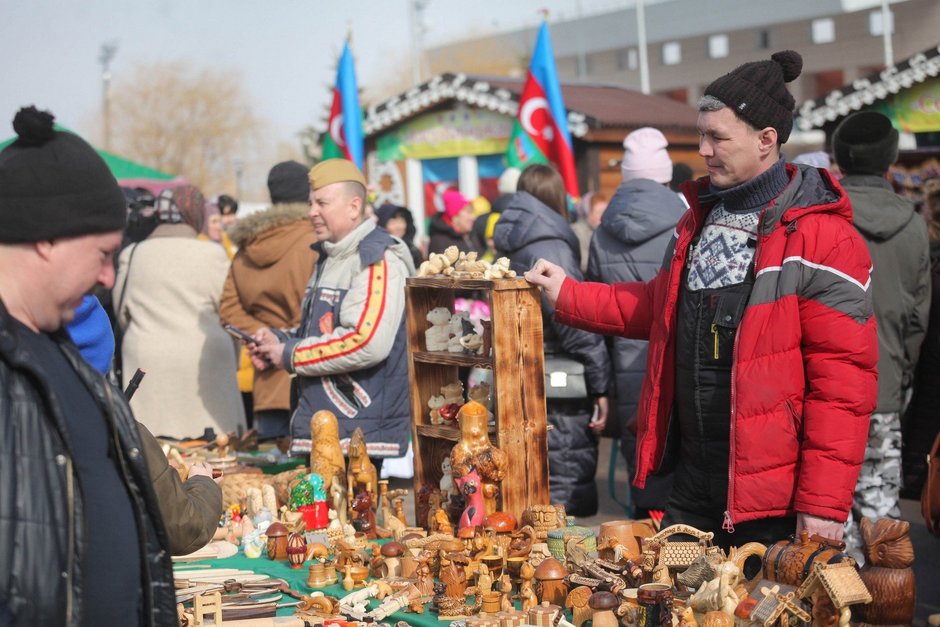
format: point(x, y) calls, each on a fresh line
point(363, 516)
point(474, 450)
point(337, 494)
point(704, 568)
point(887, 573)
point(471, 488)
point(441, 523)
point(423, 579)
point(326, 453)
point(661, 574)
point(687, 618)
point(436, 335)
point(718, 594)
point(505, 590)
point(526, 591)
point(360, 473)
point(521, 543)
point(454, 576)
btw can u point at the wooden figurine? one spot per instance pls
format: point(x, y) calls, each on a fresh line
point(887, 573)
point(454, 575)
point(832, 589)
point(471, 488)
point(441, 523)
point(719, 593)
point(788, 561)
point(296, 550)
point(577, 602)
point(392, 553)
point(399, 505)
point(505, 591)
point(526, 590)
point(550, 575)
point(423, 579)
point(484, 580)
point(521, 543)
point(544, 518)
point(348, 582)
point(363, 516)
point(326, 453)
point(360, 473)
point(474, 450)
point(277, 541)
point(602, 606)
point(382, 502)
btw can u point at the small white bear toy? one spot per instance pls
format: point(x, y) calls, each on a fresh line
point(437, 335)
point(434, 404)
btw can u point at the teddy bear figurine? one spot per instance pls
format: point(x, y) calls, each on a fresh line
point(442, 263)
point(434, 404)
point(499, 270)
point(437, 336)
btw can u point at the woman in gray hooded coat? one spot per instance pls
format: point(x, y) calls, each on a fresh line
point(532, 227)
point(629, 245)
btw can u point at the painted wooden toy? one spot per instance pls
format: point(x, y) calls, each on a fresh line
point(471, 488)
point(474, 450)
point(326, 453)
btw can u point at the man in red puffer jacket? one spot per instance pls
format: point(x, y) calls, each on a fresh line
point(761, 374)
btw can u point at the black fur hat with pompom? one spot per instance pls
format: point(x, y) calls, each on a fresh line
point(758, 94)
point(53, 184)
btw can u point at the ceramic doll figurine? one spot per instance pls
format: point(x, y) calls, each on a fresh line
point(460, 326)
point(471, 488)
point(474, 450)
point(447, 480)
point(326, 454)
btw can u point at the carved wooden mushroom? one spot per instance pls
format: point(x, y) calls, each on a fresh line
point(277, 541)
point(392, 553)
point(602, 606)
point(502, 524)
point(550, 576)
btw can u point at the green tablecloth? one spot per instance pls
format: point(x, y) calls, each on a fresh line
point(297, 579)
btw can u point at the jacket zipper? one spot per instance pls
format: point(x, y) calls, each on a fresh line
point(728, 523)
point(70, 495)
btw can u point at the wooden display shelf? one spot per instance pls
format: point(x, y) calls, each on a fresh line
point(518, 384)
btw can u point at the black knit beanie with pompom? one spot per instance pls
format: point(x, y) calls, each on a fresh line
point(54, 185)
point(758, 94)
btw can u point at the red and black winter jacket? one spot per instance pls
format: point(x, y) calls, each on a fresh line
point(804, 367)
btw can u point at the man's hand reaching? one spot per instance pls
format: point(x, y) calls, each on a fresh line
point(549, 277)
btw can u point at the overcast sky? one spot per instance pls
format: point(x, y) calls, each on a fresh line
point(283, 49)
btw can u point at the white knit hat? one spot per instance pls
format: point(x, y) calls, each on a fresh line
point(645, 156)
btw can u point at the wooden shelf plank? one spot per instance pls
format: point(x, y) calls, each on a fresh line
point(441, 432)
point(446, 282)
point(444, 358)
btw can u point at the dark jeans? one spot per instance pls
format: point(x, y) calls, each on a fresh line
point(272, 423)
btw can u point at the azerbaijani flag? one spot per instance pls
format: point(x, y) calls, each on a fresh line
point(343, 139)
point(540, 133)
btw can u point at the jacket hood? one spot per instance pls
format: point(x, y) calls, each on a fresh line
point(810, 190)
point(264, 237)
point(527, 220)
point(640, 210)
point(877, 211)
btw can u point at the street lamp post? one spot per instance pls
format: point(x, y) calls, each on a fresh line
point(106, 55)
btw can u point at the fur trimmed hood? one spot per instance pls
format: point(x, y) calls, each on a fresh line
point(250, 227)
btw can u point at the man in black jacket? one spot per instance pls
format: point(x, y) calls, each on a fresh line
point(81, 534)
point(865, 145)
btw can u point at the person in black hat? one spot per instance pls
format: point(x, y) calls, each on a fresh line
point(865, 145)
point(80, 517)
point(760, 377)
point(266, 282)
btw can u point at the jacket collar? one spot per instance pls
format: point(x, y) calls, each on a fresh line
point(349, 244)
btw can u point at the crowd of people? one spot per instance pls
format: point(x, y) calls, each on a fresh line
point(763, 339)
